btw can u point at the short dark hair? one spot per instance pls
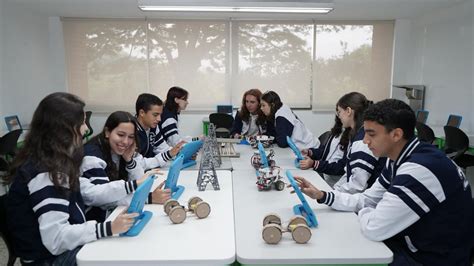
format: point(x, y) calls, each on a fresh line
point(175, 92)
point(145, 101)
point(393, 113)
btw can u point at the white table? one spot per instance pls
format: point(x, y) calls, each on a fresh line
point(209, 241)
point(337, 239)
point(284, 157)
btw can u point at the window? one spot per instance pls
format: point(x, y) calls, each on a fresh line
point(309, 64)
point(274, 56)
point(355, 57)
point(192, 55)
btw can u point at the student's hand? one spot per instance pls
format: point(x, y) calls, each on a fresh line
point(177, 148)
point(236, 136)
point(308, 188)
point(123, 222)
point(306, 152)
point(148, 173)
point(159, 195)
point(306, 163)
point(128, 154)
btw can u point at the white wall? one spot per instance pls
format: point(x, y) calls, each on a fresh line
point(30, 69)
point(436, 50)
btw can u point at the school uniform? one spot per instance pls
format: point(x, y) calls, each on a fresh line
point(93, 169)
point(168, 126)
point(421, 202)
point(362, 167)
point(45, 221)
point(331, 160)
point(287, 124)
point(250, 128)
point(153, 148)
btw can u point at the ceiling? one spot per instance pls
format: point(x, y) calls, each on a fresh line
point(343, 9)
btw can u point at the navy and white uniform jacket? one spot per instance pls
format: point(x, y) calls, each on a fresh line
point(153, 148)
point(362, 167)
point(93, 169)
point(243, 128)
point(330, 156)
point(287, 124)
point(421, 200)
point(45, 222)
point(168, 126)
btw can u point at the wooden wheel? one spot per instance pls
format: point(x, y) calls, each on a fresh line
point(301, 234)
point(169, 204)
point(202, 209)
point(193, 201)
point(272, 218)
point(177, 215)
point(296, 220)
point(271, 233)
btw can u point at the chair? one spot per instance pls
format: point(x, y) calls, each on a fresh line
point(456, 142)
point(223, 123)
point(4, 233)
point(90, 131)
point(8, 143)
point(323, 138)
point(425, 133)
point(454, 121)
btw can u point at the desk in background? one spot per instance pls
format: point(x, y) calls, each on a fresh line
point(337, 239)
point(209, 241)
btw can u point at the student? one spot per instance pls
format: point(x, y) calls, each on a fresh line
point(420, 205)
point(176, 101)
point(362, 167)
point(110, 157)
point(152, 146)
point(45, 203)
point(328, 159)
point(250, 120)
point(286, 123)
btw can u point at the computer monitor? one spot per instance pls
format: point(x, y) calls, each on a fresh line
point(137, 204)
point(454, 121)
point(226, 109)
point(188, 151)
point(172, 178)
point(422, 116)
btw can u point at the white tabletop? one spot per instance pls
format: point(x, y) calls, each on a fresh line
point(337, 239)
point(209, 241)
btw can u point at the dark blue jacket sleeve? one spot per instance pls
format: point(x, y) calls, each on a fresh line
point(283, 128)
point(334, 168)
point(269, 129)
point(317, 153)
point(237, 125)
